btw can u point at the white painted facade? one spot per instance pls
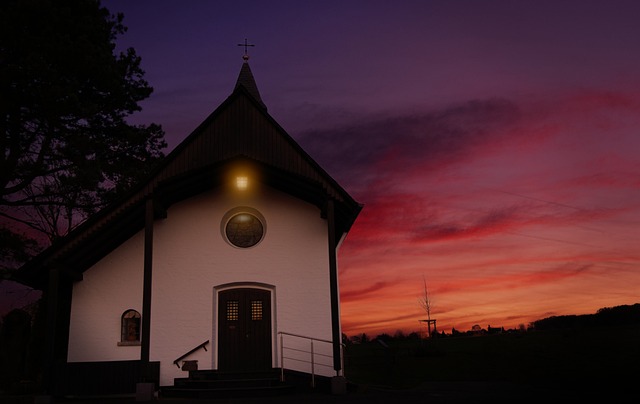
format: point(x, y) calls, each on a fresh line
point(192, 262)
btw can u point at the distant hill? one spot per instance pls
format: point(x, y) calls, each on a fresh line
point(605, 317)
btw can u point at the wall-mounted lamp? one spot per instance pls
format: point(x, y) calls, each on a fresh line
point(242, 183)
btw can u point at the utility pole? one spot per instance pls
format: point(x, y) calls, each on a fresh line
point(425, 303)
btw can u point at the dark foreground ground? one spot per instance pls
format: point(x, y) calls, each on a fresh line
point(567, 366)
point(466, 392)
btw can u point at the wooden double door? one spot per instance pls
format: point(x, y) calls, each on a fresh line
point(244, 329)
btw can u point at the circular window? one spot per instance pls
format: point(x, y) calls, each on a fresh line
point(244, 230)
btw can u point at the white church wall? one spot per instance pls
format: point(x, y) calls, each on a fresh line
point(108, 289)
point(190, 258)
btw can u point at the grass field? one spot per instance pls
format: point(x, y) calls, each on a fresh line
point(600, 358)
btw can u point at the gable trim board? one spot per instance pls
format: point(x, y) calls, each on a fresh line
point(285, 180)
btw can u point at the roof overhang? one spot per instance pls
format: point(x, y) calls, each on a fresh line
point(107, 230)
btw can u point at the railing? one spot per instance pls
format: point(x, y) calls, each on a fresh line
point(313, 355)
point(201, 346)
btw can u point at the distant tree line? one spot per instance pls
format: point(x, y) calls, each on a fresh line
point(605, 317)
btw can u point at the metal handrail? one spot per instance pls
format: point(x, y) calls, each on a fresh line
point(311, 351)
point(175, 362)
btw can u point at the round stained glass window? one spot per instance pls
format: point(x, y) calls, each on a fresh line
point(244, 230)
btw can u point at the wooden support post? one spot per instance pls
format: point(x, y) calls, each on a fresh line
point(145, 334)
point(333, 280)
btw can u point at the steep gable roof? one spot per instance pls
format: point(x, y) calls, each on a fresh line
point(240, 129)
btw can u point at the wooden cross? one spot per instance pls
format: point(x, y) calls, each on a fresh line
point(246, 45)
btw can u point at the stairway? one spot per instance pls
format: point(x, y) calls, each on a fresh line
point(215, 384)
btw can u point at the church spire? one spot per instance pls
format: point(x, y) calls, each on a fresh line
point(245, 78)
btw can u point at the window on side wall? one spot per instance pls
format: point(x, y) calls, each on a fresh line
point(130, 328)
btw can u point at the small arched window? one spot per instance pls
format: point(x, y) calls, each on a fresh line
point(130, 328)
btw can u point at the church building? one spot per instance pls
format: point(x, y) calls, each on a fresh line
point(224, 259)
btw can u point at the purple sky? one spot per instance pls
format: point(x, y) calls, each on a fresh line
point(494, 144)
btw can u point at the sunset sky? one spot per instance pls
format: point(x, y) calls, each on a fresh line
point(495, 145)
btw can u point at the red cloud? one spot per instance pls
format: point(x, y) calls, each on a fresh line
point(538, 195)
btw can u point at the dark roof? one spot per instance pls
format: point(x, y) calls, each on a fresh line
point(239, 130)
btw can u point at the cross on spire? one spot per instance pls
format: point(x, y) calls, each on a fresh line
point(246, 45)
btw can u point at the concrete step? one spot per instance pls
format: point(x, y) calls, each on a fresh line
point(215, 384)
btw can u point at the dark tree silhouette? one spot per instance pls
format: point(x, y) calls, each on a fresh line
point(15, 333)
point(65, 94)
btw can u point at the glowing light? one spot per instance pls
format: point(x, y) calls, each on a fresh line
point(242, 183)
